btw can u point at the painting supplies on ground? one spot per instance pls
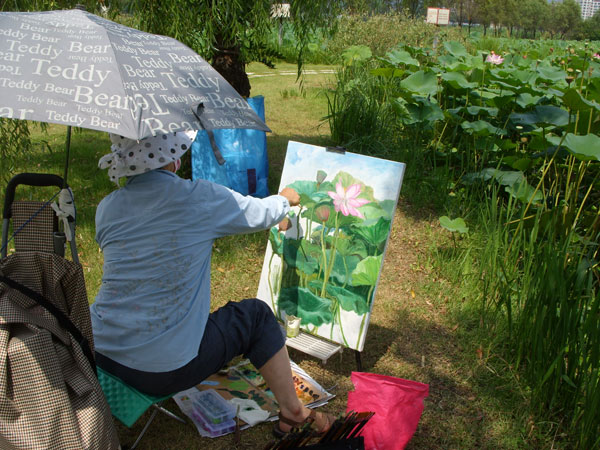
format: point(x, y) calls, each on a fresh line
point(241, 392)
point(344, 434)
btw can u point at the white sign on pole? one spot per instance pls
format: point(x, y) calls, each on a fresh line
point(438, 16)
point(279, 10)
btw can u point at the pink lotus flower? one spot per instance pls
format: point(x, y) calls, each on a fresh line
point(597, 55)
point(346, 201)
point(494, 59)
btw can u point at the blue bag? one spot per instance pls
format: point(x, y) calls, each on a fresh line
point(246, 165)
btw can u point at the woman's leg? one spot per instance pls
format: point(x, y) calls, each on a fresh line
point(278, 375)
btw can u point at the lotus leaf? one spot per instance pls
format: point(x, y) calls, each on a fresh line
point(458, 81)
point(542, 115)
point(349, 301)
point(482, 128)
point(397, 57)
point(375, 234)
point(524, 192)
point(585, 148)
point(346, 246)
point(525, 99)
point(479, 110)
point(573, 100)
point(356, 53)
point(422, 83)
point(455, 48)
point(456, 225)
point(515, 162)
point(300, 302)
point(276, 239)
point(366, 272)
point(552, 74)
point(348, 180)
point(342, 269)
point(305, 190)
point(302, 255)
point(424, 111)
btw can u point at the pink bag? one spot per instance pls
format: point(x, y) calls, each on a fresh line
point(397, 404)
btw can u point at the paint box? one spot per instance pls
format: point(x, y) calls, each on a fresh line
point(213, 408)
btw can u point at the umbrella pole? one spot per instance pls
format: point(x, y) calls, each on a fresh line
point(67, 153)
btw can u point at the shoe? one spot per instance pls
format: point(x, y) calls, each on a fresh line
point(310, 419)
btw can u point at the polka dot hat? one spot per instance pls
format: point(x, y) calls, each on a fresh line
point(130, 157)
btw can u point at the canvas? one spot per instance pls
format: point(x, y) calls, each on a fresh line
point(323, 262)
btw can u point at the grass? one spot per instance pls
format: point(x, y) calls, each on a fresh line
point(422, 328)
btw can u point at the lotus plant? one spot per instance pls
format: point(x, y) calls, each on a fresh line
point(346, 200)
point(493, 58)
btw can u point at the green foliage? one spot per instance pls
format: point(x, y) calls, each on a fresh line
point(454, 225)
point(383, 32)
point(524, 130)
point(14, 144)
point(234, 25)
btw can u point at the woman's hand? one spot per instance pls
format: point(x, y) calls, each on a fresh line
point(291, 195)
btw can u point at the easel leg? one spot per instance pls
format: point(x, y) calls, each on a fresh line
point(358, 360)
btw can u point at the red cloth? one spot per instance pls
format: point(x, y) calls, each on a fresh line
point(397, 404)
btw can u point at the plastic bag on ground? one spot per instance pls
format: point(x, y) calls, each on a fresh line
point(397, 404)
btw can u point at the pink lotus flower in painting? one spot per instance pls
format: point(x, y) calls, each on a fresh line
point(346, 200)
point(494, 59)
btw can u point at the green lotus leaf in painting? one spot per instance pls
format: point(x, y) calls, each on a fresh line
point(458, 81)
point(455, 225)
point(302, 255)
point(305, 190)
point(422, 83)
point(343, 266)
point(349, 301)
point(367, 271)
point(347, 246)
point(375, 234)
point(276, 239)
point(300, 302)
point(585, 148)
point(347, 180)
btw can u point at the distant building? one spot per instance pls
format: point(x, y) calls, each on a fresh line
point(588, 7)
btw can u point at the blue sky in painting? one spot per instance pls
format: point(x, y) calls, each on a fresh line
point(302, 162)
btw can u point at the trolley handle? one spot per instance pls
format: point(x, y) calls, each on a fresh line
point(29, 179)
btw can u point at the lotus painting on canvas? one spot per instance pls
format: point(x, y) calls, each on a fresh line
point(323, 260)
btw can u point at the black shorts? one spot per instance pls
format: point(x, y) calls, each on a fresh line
point(246, 328)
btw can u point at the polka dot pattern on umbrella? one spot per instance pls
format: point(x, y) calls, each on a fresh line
point(130, 157)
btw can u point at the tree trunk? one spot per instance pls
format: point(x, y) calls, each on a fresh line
point(228, 63)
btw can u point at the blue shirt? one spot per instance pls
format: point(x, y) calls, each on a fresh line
point(157, 234)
